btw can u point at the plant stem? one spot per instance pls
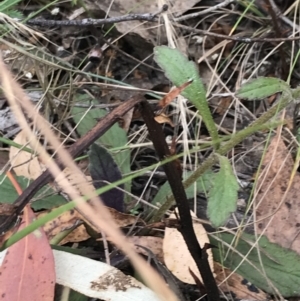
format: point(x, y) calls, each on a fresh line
point(173, 173)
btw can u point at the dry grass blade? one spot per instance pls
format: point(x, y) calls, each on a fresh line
point(98, 215)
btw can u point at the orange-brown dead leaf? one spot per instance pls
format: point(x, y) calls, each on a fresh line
point(70, 219)
point(77, 235)
point(65, 221)
point(278, 218)
point(163, 118)
point(223, 105)
point(167, 99)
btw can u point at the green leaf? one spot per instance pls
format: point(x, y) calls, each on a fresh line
point(281, 266)
point(202, 184)
point(262, 87)
point(223, 196)
point(103, 169)
point(179, 70)
point(115, 137)
point(45, 198)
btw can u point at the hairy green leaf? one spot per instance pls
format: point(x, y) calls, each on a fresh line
point(179, 70)
point(270, 268)
point(262, 87)
point(223, 195)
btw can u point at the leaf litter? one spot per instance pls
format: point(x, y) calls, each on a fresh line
point(124, 156)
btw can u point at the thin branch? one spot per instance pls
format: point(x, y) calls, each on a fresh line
point(153, 18)
point(95, 22)
point(88, 22)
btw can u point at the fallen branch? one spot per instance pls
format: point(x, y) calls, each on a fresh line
point(89, 21)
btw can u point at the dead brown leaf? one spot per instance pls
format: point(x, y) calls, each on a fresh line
point(233, 283)
point(223, 105)
point(150, 242)
point(167, 99)
point(24, 163)
point(65, 221)
point(163, 118)
point(70, 219)
point(177, 256)
point(277, 217)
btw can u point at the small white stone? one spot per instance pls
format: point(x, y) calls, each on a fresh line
point(55, 11)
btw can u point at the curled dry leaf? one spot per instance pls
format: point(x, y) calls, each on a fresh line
point(177, 256)
point(163, 118)
point(278, 217)
point(24, 163)
point(167, 99)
